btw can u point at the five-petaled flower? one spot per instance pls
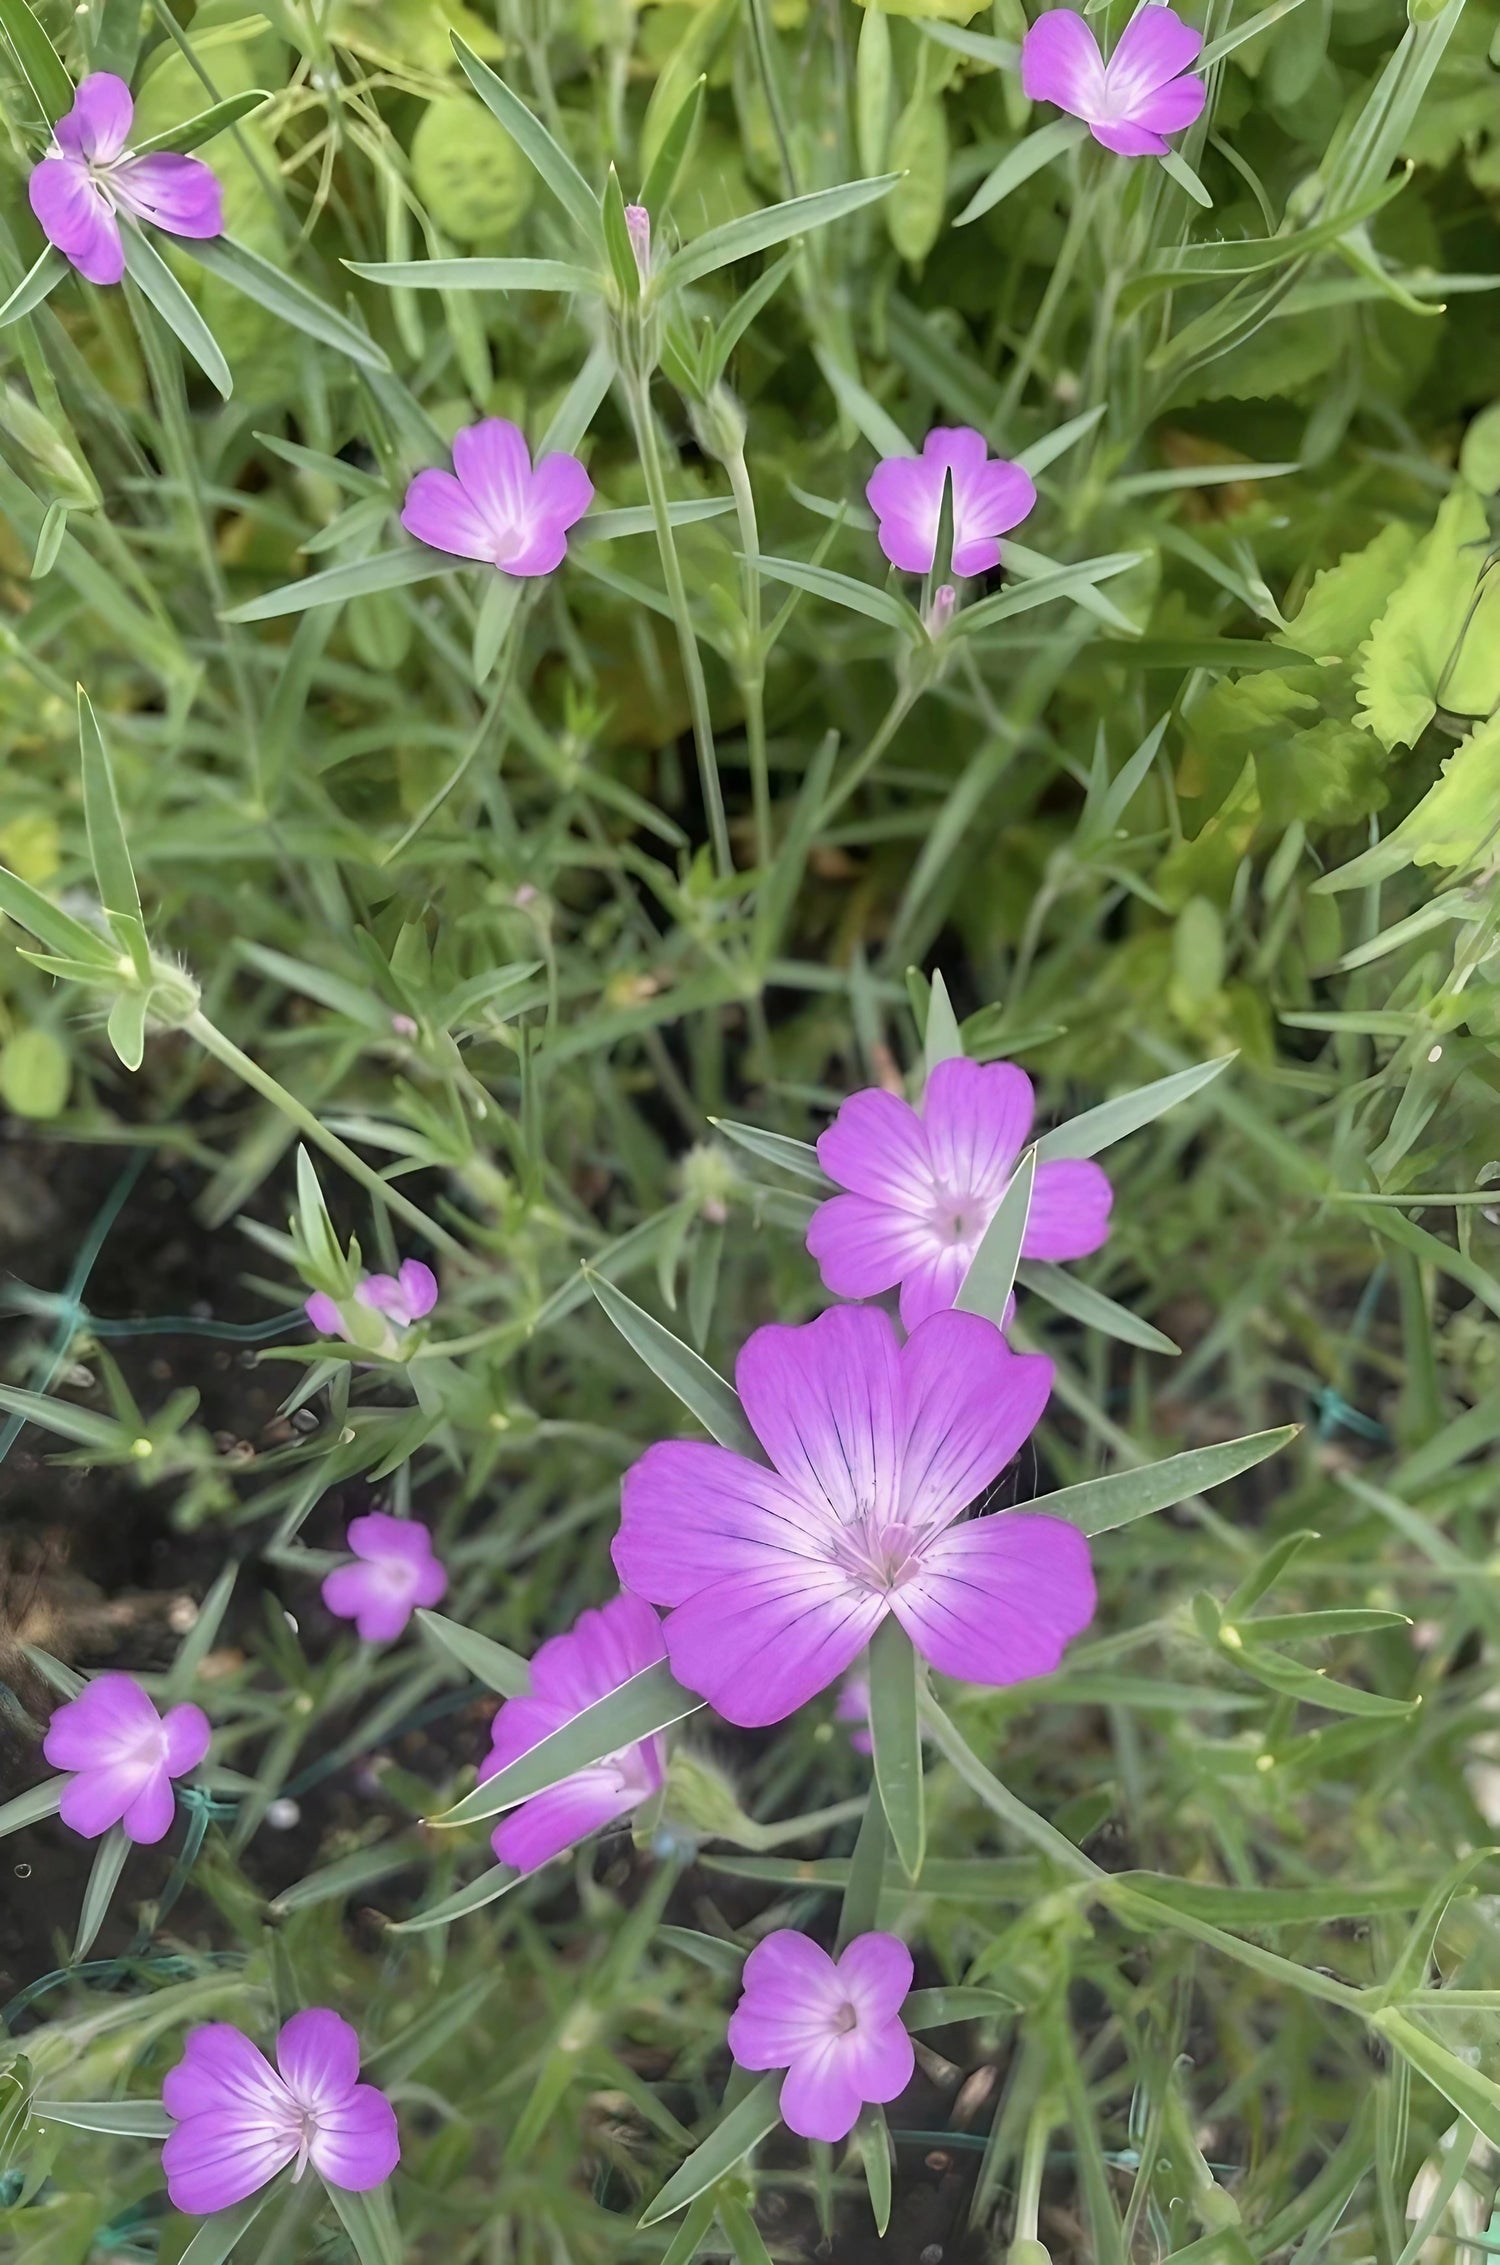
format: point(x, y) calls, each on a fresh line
point(393, 1572)
point(990, 496)
point(399, 1300)
point(494, 506)
point(88, 175)
point(1143, 93)
point(125, 1755)
point(923, 1185)
point(240, 2121)
point(602, 1650)
point(835, 2027)
point(778, 1577)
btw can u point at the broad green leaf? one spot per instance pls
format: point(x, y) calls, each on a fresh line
point(701, 1389)
point(795, 1156)
point(986, 1287)
point(29, 1808)
point(126, 2119)
point(942, 1040)
point(369, 2219)
point(104, 1878)
point(217, 2235)
point(1097, 1506)
point(38, 59)
point(1403, 662)
point(531, 137)
point(759, 231)
point(388, 570)
point(919, 152)
point(1453, 825)
point(480, 1656)
point(871, 2133)
point(488, 1888)
point(877, 603)
point(1081, 1302)
point(291, 302)
point(649, 1702)
point(475, 275)
point(201, 128)
point(743, 2128)
point(469, 171)
point(1018, 165)
point(897, 1740)
point(41, 278)
point(1100, 1128)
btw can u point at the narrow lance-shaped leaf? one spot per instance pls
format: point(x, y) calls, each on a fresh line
point(647, 1703)
point(291, 302)
point(1018, 165)
point(104, 1878)
point(941, 1038)
point(388, 570)
point(986, 1288)
point(480, 1656)
point(475, 275)
point(743, 2128)
point(531, 137)
point(897, 1740)
point(38, 59)
point(1099, 1128)
point(487, 1889)
point(205, 124)
point(758, 231)
point(217, 2235)
point(126, 2119)
point(114, 874)
point(1097, 1506)
point(42, 277)
point(701, 1389)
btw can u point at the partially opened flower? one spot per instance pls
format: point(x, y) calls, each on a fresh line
point(602, 1650)
point(779, 1577)
point(835, 2027)
point(88, 175)
point(1143, 93)
point(393, 1572)
point(125, 1755)
point(401, 1299)
point(494, 506)
point(240, 2121)
point(990, 497)
point(925, 1183)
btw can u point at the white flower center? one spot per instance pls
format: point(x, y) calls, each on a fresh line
point(878, 1553)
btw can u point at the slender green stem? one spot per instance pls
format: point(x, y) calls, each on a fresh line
point(1033, 2164)
point(213, 1041)
point(753, 675)
point(997, 1797)
point(638, 393)
point(1058, 284)
point(817, 1820)
point(860, 769)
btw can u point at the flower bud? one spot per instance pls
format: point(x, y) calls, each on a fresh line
point(941, 611)
point(638, 221)
point(701, 1796)
point(719, 424)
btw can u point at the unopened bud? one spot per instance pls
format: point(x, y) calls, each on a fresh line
point(638, 221)
point(941, 611)
point(700, 1795)
point(719, 424)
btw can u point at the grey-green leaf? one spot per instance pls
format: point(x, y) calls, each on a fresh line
point(758, 231)
point(743, 2128)
point(986, 1288)
point(649, 1702)
point(897, 1740)
point(1097, 1506)
point(1112, 1120)
point(701, 1389)
point(480, 1656)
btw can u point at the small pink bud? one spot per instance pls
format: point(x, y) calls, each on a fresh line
point(638, 221)
point(403, 1026)
point(940, 613)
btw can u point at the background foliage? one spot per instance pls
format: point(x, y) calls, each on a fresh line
point(444, 873)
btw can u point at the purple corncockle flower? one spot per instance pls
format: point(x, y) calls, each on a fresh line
point(779, 1577)
point(925, 1184)
point(403, 1298)
point(989, 498)
point(834, 2027)
point(494, 507)
point(125, 1755)
point(393, 1572)
point(240, 2121)
point(88, 175)
point(1130, 103)
point(601, 1650)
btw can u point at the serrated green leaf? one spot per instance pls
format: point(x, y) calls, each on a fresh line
point(1413, 640)
point(1454, 824)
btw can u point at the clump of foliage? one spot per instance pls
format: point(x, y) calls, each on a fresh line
point(531, 927)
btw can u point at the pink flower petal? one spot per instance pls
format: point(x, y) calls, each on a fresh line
point(875, 1974)
point(1172, 107)
point(905, 494)
point(820, 2099)
point(971, 1403)
point(932, 1287)
point(692, 1513)
point(562, 1816)
point(212, 2163)
point(177, 193)
point(420, 1287)
point(977, 1118)
point(997, 1599)
point(1070, 1205)
point(324, 1315)
point(999, 498)
point(187, 1737)
point(356, 2144)
point(862, 1246)
point(108, 1721)
point(494, 464)
point(562, 489)
point(761, 1645)
point(1154, 47)
point(222, 2072)
point(790, 1998)
point(380, 1538)
point(878, 2059)
point(877, 1146)
point(438, 511)
point(149, 1817)
point(1126, 138)
point(1061, 63)
point(77, 217)
point(366, 1595)
point(317, 2053)
point(98, 125)
point(823, 1401)
point(602, 1650)
point(99, 1798)
point(539, 549)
